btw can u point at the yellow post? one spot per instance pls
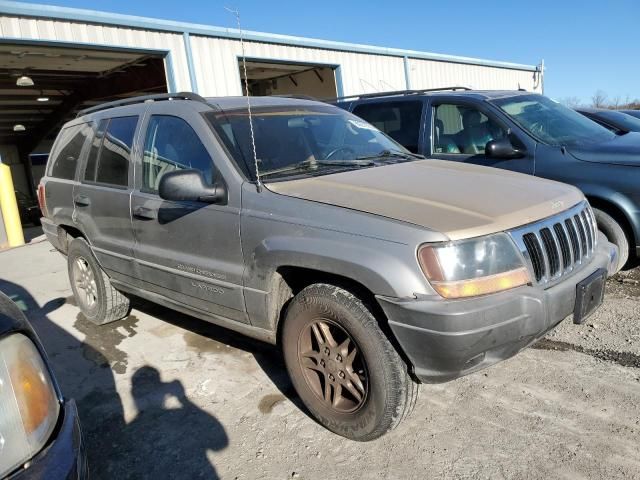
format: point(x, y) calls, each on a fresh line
point(9, 206)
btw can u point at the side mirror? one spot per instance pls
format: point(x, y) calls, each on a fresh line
point(502, 148)
point(189, 185)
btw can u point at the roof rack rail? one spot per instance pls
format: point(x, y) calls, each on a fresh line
point(144, 98)
point(299, 96)
point(400, 92)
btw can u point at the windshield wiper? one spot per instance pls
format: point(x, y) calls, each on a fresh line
point(391, 154)
point(310, 164)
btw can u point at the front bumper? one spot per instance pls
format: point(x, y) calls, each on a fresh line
point(65, 457)
point(445, 339)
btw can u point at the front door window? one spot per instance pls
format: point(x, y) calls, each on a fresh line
point(464, 130)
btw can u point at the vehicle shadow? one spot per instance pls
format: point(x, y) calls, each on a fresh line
point(168, 438)
point(268, 357)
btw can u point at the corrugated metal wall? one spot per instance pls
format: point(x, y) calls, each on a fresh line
point(432, 74)
point(216, 59)
point(218, 74)
point(66, 31)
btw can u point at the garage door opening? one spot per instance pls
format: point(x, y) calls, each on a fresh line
point(276, 78)
point(43, 86)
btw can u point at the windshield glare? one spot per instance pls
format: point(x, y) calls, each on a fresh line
point(552, 123)
point(287, 136)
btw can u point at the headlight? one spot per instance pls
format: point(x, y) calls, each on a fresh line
point(29, 407)
point(477, 266)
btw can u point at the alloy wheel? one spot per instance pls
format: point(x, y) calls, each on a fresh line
point(333, 366)
point(85, 283)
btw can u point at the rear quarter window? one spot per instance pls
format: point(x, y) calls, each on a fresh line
point(400, 120)
point(69, 146)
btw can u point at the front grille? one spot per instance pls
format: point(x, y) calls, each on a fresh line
point(558, 245)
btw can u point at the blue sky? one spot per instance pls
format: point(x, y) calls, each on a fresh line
point(587, 45)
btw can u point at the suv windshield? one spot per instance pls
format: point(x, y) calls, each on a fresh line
point(552, 123)
point(304, 140)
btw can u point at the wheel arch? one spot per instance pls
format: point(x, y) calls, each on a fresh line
point(290, 280)
point(618, 211)
point(66, 234)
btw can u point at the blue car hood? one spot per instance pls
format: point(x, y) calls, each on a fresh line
point(622, 150)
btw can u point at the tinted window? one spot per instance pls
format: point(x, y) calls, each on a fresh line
point(67, 151)
point(399, 120)
point(171, 144)
point(462, 129)
point(115, 153)
point(94, 151)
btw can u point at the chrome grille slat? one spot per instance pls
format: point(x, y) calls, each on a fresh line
point(545, 256)
point(573, 237)
point(556, 246)
point(576, 229)
point(582, 234)
point(565, 245)
point(589, 229)
point(552, 251)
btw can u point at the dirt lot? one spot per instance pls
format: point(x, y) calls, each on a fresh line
point(164, 395)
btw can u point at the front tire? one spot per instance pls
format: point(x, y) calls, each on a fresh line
point(615, 234)
point(97, 299)
point(343, 366)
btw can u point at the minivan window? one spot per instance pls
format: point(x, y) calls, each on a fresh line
point(303, 140)
point(115, 152)
point(551, 122)
point(69, 146)
point(399, 120)
point(171, 144)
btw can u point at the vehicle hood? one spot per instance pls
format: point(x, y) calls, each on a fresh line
point(622, 150)
point(455, 199)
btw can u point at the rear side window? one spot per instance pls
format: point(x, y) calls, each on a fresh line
point(110, 154)
point(171, 144)
point(64, 159)
point(94, 151)
point(399, 120)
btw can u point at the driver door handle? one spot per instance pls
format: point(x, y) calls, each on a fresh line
point(144, 213)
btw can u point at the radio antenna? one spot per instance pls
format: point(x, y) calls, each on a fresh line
point(246, 88)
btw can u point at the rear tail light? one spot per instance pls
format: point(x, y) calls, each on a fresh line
point(42, 201)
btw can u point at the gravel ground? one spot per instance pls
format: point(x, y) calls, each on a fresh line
point(162, 395)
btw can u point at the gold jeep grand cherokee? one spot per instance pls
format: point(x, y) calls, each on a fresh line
point(373, 268)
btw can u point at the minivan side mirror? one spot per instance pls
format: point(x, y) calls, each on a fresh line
point(502, 148)
point(190, 185)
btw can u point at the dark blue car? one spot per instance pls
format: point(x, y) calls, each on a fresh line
point(618, 122)
point(523, 132)
point(40, 434)
point(633, 113)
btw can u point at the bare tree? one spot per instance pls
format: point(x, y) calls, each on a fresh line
point(616, 103)
point(571, 102)
point(599, 99)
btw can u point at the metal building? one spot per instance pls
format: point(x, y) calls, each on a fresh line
point(55, 60)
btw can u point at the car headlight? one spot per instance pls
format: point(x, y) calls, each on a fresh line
point(29, 407)
point(477, 266)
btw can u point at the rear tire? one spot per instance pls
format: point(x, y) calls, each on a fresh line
point(97, 299)
point(615, 234)
point(343, 366)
